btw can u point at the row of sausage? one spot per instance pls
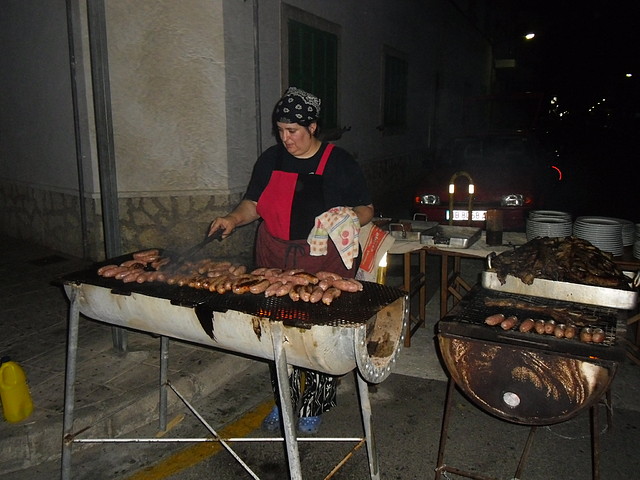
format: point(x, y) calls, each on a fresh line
point(547, 327)
point(222, 277)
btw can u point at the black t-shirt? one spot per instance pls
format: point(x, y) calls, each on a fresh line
point(343, 180)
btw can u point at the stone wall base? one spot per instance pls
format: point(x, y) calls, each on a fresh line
point(53, 219)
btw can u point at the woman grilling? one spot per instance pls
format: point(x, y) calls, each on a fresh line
point(304, 190)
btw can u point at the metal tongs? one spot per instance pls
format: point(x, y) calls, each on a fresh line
point(190, 252)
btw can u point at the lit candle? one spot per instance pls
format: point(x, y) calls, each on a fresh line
point(381, 275)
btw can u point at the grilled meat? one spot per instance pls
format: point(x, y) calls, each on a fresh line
point(569, 259)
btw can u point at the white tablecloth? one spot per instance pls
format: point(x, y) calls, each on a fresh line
point(478, 249)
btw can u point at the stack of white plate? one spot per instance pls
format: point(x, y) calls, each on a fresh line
point(603, 232)
point(537, 214)
point(636, 245)
point(628, 231)
point(548, 227)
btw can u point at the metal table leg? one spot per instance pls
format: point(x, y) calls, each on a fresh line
point(365, 408)
point(291, 440)
point(69, 384)
point(164, 382)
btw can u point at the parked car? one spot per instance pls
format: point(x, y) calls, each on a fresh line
point(511, 172)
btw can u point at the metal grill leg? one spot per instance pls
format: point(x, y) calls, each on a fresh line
point(595, 442)
point(69, 384)
point(293, 455)
point(365, 408)
point(164, 377)
point(444, 429)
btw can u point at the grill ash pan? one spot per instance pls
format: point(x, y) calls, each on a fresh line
point(362, 330)
point(524, 386)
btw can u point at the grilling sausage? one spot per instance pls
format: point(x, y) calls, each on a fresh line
point(570, 331)
point(495, 319)
point(346, 285)
point(558, 332)
point(526, 325)
point(160, 262)
point(124, 271)
point(305, 292)
point(108, 270)
point(143, 277)
point(330, 295)
point(145, 254)
point(135, 263)
point(132, 275)
point(244, 285)
point(509, 322)
point(316, 294)
point(272, 289)
point(586, 335)
point(597, 336)
point(322, 275)
point(260, 287)
point(114, 272)
point(294, 293)
point(293, 279)
point(310, 278)
point(549, 327)
point(284, 289)
point(539, 326)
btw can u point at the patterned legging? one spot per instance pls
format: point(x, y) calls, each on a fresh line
point(312, 393)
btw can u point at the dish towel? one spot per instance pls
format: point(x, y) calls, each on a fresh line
point(341, 225)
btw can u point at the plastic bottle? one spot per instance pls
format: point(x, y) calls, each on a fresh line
point(14, 391)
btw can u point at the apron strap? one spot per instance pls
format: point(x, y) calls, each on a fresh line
point(324, 158)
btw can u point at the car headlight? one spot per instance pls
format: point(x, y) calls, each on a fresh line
point(428, 199)
point(512, 200)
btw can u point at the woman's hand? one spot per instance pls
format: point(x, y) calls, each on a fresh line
point(364, 213)
point(227, 224)
point(243, 214)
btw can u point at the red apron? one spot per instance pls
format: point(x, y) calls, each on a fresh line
point(288, 206)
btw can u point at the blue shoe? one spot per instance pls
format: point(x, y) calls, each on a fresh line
point(309, 424)
point(271, 422)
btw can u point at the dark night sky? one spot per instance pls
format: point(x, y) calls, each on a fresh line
point(584, 48)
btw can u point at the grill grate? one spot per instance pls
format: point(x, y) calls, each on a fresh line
point(585, 315)
point(348, 310)
point(467, 320)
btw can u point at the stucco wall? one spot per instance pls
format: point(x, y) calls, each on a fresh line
point(188, 120)
point(167, 73)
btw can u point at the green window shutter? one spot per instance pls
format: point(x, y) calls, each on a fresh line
point(313, 66)
point(394, 115)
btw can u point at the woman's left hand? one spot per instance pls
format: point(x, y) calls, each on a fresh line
point(365, 213)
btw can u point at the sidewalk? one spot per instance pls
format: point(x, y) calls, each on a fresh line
point(115, 402)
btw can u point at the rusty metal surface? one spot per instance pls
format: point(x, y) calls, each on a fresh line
point(521, 385)
point(570, 292)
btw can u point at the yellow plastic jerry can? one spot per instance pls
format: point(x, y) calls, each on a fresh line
point(14, 392)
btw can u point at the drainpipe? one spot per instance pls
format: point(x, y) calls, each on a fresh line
point(104, 137)
point(76, 129)
point(256, 74)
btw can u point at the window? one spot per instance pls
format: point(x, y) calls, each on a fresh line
point(313, 66)
point(394, 104)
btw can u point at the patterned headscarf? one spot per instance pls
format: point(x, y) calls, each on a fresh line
point(297, 106)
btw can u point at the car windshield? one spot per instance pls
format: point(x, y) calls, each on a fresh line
point(490, 151)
